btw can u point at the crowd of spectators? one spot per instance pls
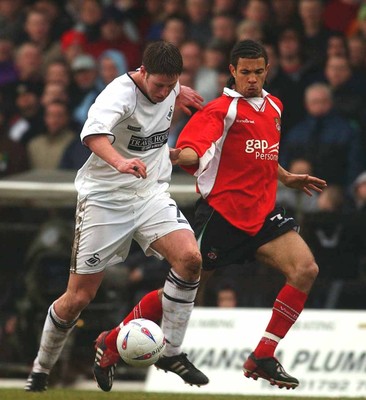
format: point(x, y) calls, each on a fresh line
point(57, 56)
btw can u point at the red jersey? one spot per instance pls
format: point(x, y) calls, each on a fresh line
point(237, 142)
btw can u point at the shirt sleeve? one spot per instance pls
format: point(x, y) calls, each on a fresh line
point(114, 103)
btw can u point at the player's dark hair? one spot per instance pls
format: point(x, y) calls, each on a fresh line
point(162, 58)
point(246, 49)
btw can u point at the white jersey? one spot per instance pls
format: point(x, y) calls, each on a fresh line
point(136, 127)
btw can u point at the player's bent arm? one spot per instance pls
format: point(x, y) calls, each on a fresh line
point(187, 156)
point(102, 147)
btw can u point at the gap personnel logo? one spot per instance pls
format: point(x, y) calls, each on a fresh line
point(261, 149)
point(153, 141)
point(93, 261)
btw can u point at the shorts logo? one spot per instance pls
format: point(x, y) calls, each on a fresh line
point(93, 261)
point(212, 254)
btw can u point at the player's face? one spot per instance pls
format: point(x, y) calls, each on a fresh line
point(250, 75)
point(158, 86)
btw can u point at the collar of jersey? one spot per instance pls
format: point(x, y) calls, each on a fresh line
point(233, 93)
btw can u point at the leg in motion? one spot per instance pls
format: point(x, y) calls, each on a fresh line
point(290, 255)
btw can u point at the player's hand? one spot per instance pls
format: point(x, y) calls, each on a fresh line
point(189, 98)
point(174, 155)
point(133, 166)
point(305, 183)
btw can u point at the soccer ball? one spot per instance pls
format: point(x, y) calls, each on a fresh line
point(140, 342)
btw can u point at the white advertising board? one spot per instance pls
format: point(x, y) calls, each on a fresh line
point(325, 350)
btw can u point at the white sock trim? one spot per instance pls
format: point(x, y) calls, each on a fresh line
point(271, 336)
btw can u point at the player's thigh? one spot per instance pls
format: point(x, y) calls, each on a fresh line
point(287, 253)
point(103, 232)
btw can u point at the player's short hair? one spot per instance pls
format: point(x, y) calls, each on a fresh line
point(247, 49)
point(162, 58)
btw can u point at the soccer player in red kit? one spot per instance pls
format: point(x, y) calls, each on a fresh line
point(232, 146)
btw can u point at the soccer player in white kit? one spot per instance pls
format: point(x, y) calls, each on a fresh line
point(123, 195)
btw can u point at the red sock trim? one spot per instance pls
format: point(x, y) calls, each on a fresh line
point(286, 309)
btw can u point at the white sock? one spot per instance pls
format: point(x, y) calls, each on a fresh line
point(54, 336)
point(178, 302)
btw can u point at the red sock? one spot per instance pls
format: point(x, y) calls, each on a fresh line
point(149, 307)
point(286, 309)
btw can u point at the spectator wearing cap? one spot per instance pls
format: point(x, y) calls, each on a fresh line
point(73, 43)
point(45, 150)
point(111, 64)
point(84, 89)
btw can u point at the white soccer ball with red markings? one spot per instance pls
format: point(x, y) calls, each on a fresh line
point(140, 343)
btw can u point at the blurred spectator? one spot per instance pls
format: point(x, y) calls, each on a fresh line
point(359, 192)
point(8, 72)
point(337, 45)
point(257, 11)
point(289, 90)
point(326, 139)
point(199, 26)
point(113, 36)
point(223, 27)
point(54, 91)
point(284, 14)
point(45, 150)
point(73, 43)
point(316, 35)
point(297, 202)
point(13, 157)
point(12, 19)
point(339, 14)
point(357, 54)
point(248, 29)
point(85, 90)
point(225, 7)
point(358, 26)
point(227, 296)
point(205, 80)
point(26, 120)
point(111, 64)
point(347, 88)
point(59, 72)
point(89, 18)
point(58, 18)
point(215, 55)
point(28, 65)
point(37, 30)
point(174, 30)
point(74, 156)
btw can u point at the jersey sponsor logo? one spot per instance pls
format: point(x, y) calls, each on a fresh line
point(245, 121)
point(261, 149)
point(134, 128)
point(93, 261)
point(153, 141)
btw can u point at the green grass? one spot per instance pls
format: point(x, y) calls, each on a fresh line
point(69, 394)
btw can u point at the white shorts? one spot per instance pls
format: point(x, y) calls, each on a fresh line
point(104, 230)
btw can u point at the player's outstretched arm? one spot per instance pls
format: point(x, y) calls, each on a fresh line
point(304, 182)
point(100, 145)
point(188, 98)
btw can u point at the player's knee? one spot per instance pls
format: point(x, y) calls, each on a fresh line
point(81, 300)
point(190, 265)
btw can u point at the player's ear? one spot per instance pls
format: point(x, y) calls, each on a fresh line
point(232, 70)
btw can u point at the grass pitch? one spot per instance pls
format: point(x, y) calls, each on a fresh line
point(69, 394)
